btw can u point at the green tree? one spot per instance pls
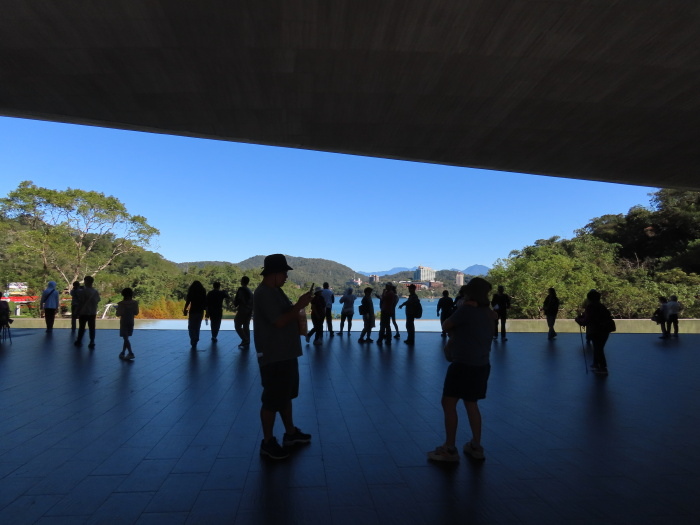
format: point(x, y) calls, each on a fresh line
point(73, 232)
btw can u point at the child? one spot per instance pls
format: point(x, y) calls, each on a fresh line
point(127, 310)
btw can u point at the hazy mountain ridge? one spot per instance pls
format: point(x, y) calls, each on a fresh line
point(308, 269)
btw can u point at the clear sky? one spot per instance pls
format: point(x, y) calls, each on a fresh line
point(225, 201)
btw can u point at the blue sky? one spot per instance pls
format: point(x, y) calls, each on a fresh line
point(225, 201)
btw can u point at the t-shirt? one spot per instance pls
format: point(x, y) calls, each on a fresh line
point(126, 311)
point(90, 298)
point(471, 335)
point(243, 301)
point(273, 344)
point(329, 296)
point(215, 302)
point(348, 301)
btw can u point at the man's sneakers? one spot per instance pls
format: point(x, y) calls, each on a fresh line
point(475, 451)
point(297, 438)
point(444, 454)
point(272, 449)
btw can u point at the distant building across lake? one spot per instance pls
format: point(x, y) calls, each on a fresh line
point(423, 273)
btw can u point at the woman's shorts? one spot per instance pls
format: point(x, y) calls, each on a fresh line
point(280, 383)
point(466, 382)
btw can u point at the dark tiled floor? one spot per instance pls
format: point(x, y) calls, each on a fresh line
point(174, 436)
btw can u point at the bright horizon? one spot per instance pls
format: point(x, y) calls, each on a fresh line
point(226, 201)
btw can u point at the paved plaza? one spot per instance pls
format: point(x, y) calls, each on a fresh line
point(174, 436)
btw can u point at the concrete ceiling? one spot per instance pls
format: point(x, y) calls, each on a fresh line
point(588, 89)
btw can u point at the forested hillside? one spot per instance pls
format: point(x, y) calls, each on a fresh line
point(632, 259)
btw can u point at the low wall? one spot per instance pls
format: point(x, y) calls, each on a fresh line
point(630, 326)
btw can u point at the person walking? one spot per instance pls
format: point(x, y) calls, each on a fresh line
point(243, 301)
point(127, 309)
point(500, 302)
point(413, 310)
point(89, 301)
point(397, 335)
point(215, 308)
point(49, 304)
point(348, 310)
point(75, 294)
point(599, 324)
point(470, 329)
point(195, 307)
point(444, 309)
point(368, 320)
point(329, 296)
point(318, 315)
point(276, 335)
point(551, 309)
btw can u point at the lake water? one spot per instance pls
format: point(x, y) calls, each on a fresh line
point(429, 307)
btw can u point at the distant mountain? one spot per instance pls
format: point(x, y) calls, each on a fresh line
point(389, 272)
point(476, 269)
point(307, 271)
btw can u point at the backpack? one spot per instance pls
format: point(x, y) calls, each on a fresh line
point(417, 310)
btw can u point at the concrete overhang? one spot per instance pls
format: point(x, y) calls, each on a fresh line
point(587, 89)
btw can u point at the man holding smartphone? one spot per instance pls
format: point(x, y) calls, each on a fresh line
point(278, 346)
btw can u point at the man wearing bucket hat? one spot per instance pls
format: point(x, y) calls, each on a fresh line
point(278, 346)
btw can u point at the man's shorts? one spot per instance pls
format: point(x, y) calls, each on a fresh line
point(466, 382)
point(280, 383)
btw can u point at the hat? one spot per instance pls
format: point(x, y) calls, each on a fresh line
point(275, 263)
point(318, 289)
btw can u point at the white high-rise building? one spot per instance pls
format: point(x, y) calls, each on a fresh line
point(423, 273)
point(459, 279)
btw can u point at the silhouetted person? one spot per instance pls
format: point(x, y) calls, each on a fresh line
point(412, 305)
point(367, 312)
point(500, 302)
point(215, 308)
point(329, 296)
point(195, 306)
point(470, 329)
point(5, 320)
point(127, 309)
point(276, 333)
point(49, 303)
point(661, 316)
point(673, 309)
point(318, 315)
point(89, 301)
point(387, 307)
point(444, 308)
point(75, 294)
point(243, 301)
point(551, 309)
point(599, 323)
point(348, 310)
point(397, 335)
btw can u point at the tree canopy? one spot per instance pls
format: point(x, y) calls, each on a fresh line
point(72, 232)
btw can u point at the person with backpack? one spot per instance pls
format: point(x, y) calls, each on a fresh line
point(49, 303)
point(367, 313)
point(414, 311)
point(599, 324)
